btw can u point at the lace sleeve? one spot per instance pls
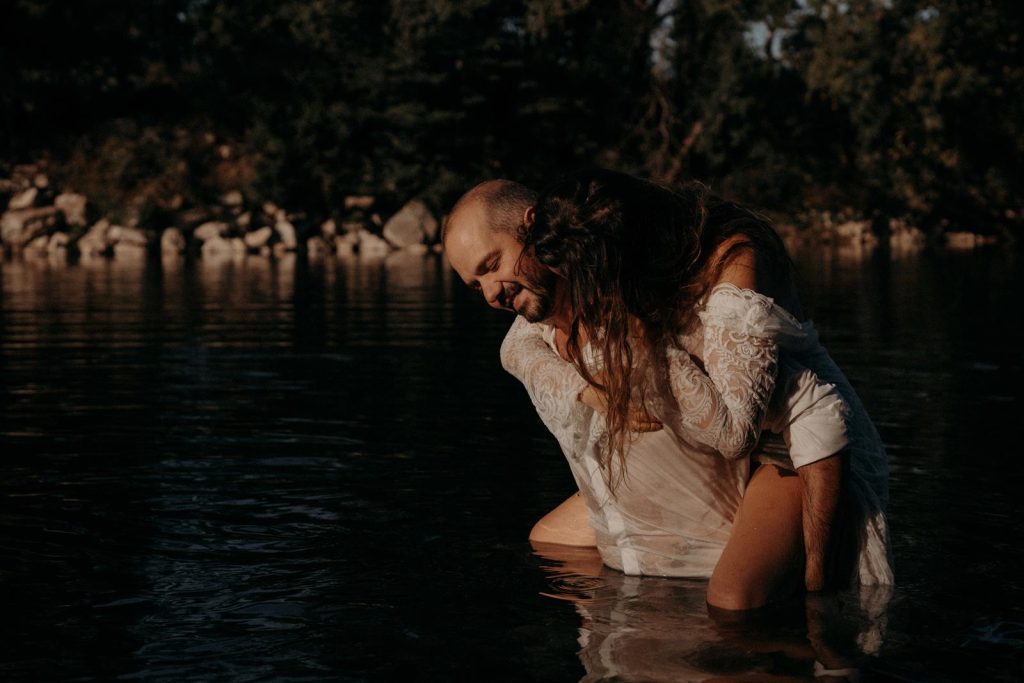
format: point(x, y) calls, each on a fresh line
point(553, 384)
point(724, 407)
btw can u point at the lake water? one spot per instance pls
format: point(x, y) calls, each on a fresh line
point(292, 470)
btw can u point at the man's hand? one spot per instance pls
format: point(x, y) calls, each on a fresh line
point(639, 419)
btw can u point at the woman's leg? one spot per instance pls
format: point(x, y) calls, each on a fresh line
point(763, 560)
point(567, 524)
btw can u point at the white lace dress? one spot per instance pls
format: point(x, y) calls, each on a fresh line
point(671, 514)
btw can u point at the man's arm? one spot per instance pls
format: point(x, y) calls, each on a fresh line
point(822, 483)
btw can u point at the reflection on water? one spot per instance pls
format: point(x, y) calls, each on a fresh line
point(317, 469)
point(658, 629)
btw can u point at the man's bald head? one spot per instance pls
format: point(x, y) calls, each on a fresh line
point(483, 241)
point(503, 202)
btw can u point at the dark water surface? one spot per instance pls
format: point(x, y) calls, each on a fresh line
point(256, 470)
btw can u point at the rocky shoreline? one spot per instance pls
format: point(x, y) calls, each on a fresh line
point(42, 220)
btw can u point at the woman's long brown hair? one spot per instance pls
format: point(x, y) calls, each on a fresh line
point(636, 258)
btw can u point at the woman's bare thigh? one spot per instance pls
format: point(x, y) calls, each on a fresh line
point(567, 524)
point(764, 558)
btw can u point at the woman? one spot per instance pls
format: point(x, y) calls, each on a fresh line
point(690, 312)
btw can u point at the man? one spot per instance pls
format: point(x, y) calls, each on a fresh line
point(482, 239)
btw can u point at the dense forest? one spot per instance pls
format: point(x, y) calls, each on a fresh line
point(874, 109)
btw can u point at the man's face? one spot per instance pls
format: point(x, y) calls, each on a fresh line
point(489, 262)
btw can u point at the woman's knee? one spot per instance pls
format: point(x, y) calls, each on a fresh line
point(737, 595)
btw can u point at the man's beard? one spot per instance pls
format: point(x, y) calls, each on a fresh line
point(539, 294)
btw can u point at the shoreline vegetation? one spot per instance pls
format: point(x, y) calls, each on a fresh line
point(884, 121)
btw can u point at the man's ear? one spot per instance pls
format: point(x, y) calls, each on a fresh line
point(529, 216)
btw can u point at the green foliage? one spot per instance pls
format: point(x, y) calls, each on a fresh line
point(884, 108)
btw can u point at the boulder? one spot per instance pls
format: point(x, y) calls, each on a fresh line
point(95, 242)
point(19, 227)
point(371, 245)
point(961, 239)
point(37, 244)
point(73, 206)
point(345, 245)
point(328, 229)
point(413, 224)
point(172, 241)
point(58, 241)
point(121, 235)
point(286, 231)
point(244, 220)
point(853, 231)
point(128, 250)
point(41, 181)
point(416, 249)
point(210, 230)
point(216, 246)
point(258, 238)
point(25, 199)
point(316, 247)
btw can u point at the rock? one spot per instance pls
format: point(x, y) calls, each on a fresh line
point(244, 220)
point(238, 246)
point(172, 241)
point(58, 242)
point(328, 229)
point(25, 199)
point(417, 249)
point(95, 241)
point(41, 181)
point(316, 247)
point(73, 206)
point(37, 244)
point(21, 226)
point(959, 239)
point(345, 245)
point(258, 238)
point(216, 246)
point(853, 231)
point(128, 250)
point(362, 201)
point(286, 231)
point(372, 246)
point(232, 199)
point(210, 230)
point(413, 224)
point(905, 237)
point(121, 235)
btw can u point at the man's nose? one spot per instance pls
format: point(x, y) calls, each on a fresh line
point(493, 293)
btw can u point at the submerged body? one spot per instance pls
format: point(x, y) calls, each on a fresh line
point(674, 508)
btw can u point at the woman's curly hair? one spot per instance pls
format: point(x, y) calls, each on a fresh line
point(635, 256)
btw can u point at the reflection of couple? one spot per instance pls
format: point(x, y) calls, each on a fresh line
point(661, 340)
point(650, 629)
